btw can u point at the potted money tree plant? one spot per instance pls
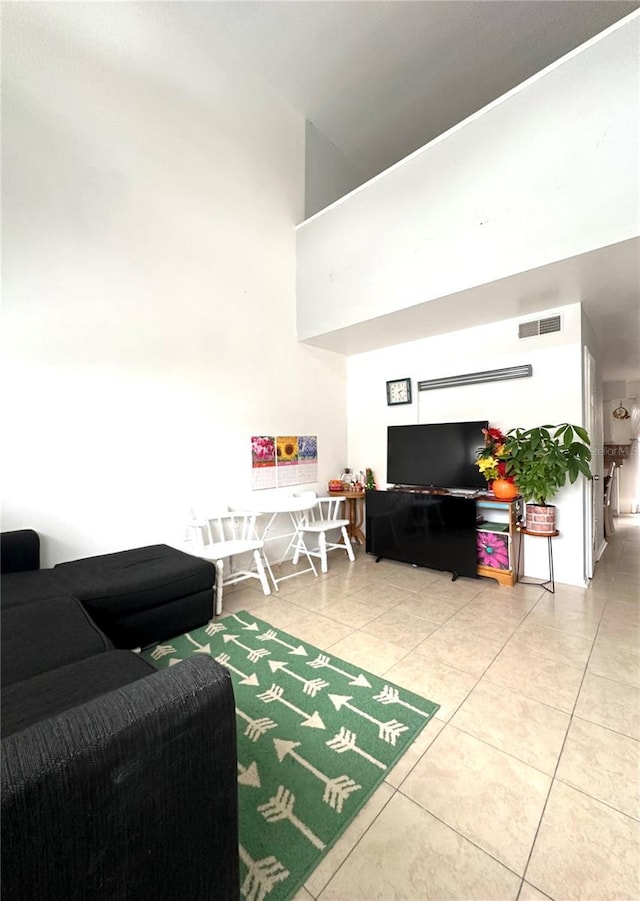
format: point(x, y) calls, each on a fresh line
point(541, 460)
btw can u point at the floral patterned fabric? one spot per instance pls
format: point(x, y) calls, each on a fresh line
point(493, 550)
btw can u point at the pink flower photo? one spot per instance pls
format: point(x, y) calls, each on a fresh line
point(493, 550)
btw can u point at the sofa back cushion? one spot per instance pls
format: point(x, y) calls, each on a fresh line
point(44, 635)
point(34, 585)
point(19, 550)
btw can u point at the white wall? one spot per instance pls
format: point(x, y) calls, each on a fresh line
point(545, 173)
point(552, 395)
point(329, 175)
point(150, 196)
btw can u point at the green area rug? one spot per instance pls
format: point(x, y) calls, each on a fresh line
point(316, 736)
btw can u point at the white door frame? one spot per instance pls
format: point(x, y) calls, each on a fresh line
point(593, 497)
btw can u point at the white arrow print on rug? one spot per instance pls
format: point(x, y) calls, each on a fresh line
point(336, 790)
point(388, 731)
point(199, 648)
point(391, 695)
point(174, 660)
point(256, 728)
point(248, 627)
point(276, 692)
point(272, 635)
point(311, 686)
point(162, 650)
point(252, 656)
point(213, 628)
point(246, 680)
point(281, 808)
point(345, 740)
point(261, 877)
point(322, 660)
point(248, 775)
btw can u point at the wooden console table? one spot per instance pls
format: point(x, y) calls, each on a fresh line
point(354, 503)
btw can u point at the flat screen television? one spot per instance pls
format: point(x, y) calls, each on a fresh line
point(436, 455)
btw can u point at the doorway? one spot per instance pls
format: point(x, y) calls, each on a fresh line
point(593, 493)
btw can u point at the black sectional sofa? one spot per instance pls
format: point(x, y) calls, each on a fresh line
point(118, 781)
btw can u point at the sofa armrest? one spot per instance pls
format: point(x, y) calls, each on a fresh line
point(132, 795)
point(19, 551)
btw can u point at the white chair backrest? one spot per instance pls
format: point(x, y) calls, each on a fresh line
point(307, 506)
point(224, 526)
point(326, 509)
point(331, 507)
point(324, 516)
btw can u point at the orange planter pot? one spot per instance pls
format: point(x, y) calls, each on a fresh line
point(504, 489)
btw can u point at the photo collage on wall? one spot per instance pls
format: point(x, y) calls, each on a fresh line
point(283, 460)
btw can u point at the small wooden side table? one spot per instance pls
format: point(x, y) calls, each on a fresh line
point(354, 502)
point(548, 584)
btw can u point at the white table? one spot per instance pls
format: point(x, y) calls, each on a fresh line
point(294, 508)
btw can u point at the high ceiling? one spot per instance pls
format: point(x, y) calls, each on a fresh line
point(381, 79)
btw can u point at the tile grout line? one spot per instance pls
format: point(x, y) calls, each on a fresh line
point(354, 846)
point(462, 836)
point(554, 776)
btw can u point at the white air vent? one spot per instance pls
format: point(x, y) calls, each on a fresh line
point(539, 327)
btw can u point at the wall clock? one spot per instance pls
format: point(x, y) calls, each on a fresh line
point(398, 392)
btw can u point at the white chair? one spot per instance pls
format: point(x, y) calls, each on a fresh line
point(322, 518)
point(223, 536)
point(295, 507)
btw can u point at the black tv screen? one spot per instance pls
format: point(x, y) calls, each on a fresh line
point(438, 455)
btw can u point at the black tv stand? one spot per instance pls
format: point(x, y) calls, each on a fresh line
point(419, 489)
point(425, 527)
point(454, 575)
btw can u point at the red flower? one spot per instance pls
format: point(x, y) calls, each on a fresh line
point(502, 472)
point(491, 459)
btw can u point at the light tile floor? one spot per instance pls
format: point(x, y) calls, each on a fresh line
point(526, 785)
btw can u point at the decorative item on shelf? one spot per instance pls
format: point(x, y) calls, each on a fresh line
point(492, 463)
point(348, 479)
point(335, 485)
point(370, 482)
point(621, 412)
point(493, 550)
point(504, 489)
point(541, 460)
point(540, 518)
